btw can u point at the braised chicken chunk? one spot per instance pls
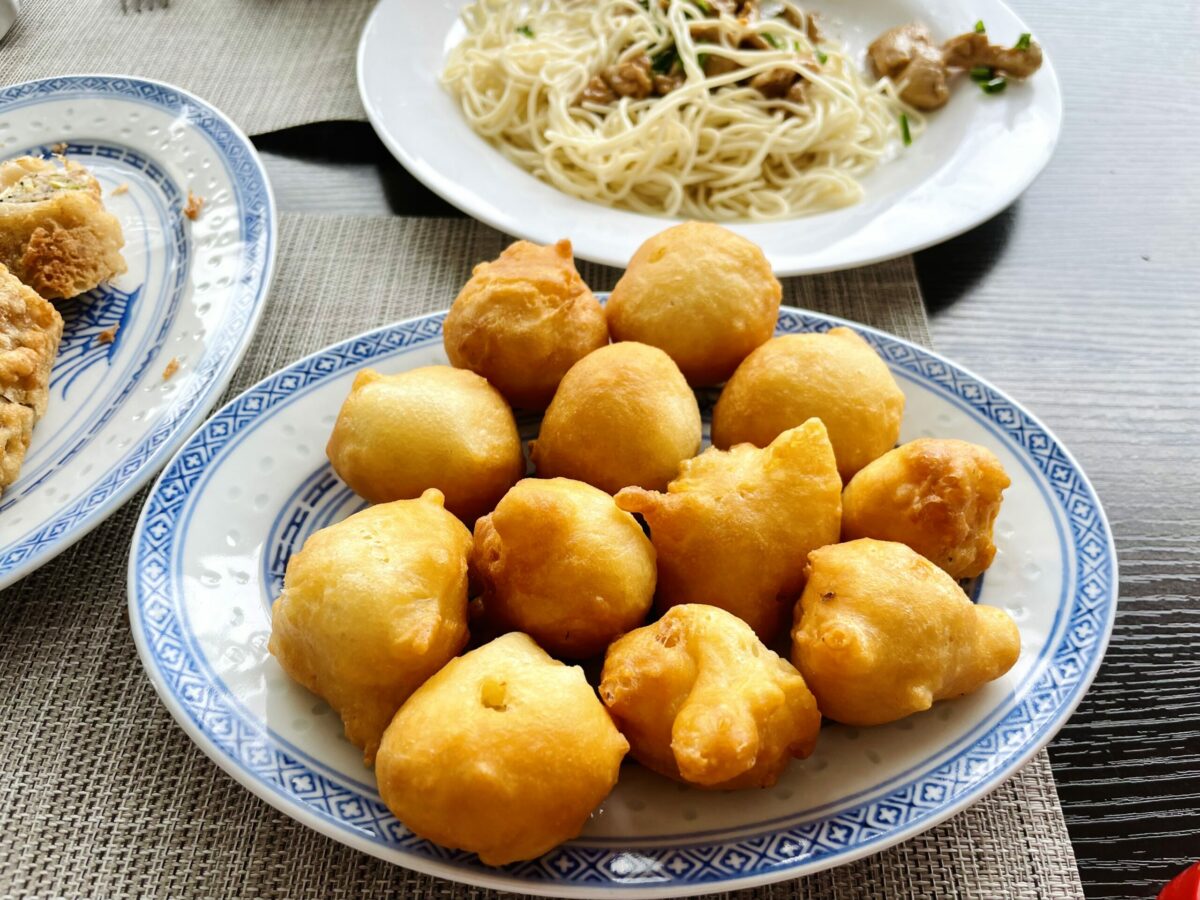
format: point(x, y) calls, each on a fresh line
point(974, 50)
point(908, 56)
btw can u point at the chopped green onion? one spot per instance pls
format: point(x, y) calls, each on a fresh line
point(979, 29)
point(822, 57)
point(773, 40)
point(995, 86)
point(702, 59)
point(980, 74)
point(703, 6)
point(905, 134)
point(1023, 41)
point(525, 30)
point(664, 62)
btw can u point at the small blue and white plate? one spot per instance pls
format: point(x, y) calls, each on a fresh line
point(193, 293)
point(252, 483)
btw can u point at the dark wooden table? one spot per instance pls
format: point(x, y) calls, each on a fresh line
point(1082, 300)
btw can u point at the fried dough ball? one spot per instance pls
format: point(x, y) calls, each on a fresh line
point(735, 528)
point(505, 753)
point(835, 377)
point(700, 292)
point(940, 497)
point(701, 700)
point(371, 607)
point(622, 415)
point(523, 320)
point(881, 633)
point(432, 427)
point(559, 561)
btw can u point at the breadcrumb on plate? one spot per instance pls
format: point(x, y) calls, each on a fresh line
point(194, 205)
point(171, 369)
point(108, 335)
point(122, 188)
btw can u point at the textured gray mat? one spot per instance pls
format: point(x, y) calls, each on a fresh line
point(103, 796)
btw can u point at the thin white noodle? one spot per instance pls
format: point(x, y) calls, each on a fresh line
point(713, 148)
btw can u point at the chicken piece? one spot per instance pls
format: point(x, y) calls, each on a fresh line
point(701, 700)
point(631, 78)
point(798, 92)
point(719, 65)
point(664, 84)
point(973, 49)
point(735, 528)
point(882, 633)
point(30, 330)
point(774, 83)
point(907, 55)
point(597, 91)
point(938, 496)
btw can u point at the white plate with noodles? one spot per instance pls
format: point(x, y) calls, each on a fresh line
point(485, 103)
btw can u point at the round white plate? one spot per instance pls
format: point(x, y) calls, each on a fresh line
point(253, 482)
point(978, 154)
point(193, 293)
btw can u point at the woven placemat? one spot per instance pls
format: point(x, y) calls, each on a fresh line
point(267, 64)
point(102, 795)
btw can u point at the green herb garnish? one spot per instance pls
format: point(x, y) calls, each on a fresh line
point(980, 74)
point(702, 59)
point(773, 40)
point(979, 29)
point(664, 62)
point(525, 30)
point(703, 6)
point(905, 134)
point(1023, 41)
point(822, 57)
point(995, 86)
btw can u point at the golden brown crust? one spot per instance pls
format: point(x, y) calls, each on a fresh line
point(835, 377)
point(735, 527)
point(16, 428)
point(371, 607)
point(558, 560)
point(523, 320)
point(882, 632)
point(30, 331)
point(64, 244)
point(623, 415)
point(940, 497)
point(699, 292)
point(505, 753)
point(701, 700)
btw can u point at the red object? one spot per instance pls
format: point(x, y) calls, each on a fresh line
point(1185, 886)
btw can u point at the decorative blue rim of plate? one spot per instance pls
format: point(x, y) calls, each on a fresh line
point(226, 345)
point(717, 862)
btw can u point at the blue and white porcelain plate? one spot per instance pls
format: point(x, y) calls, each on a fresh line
point(193, 294)
point(252, 483)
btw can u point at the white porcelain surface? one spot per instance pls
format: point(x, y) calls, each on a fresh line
point(193, 293)
point(978, 154)
point(253, 482)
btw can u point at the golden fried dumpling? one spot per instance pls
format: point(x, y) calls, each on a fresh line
point(700, 292)
point(939, 496)
point(622, 415)
point(433, 427)
point(371, 607)
point(835, 377)
point(881, 633)
point(559, 561)
point(55, 234)
point(701, 700)
point(504, 753)
point(735, 527)
point(523, 320)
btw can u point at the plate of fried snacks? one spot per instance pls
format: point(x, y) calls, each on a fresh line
point(666, 592)
point(832, 133)
point(136, 248)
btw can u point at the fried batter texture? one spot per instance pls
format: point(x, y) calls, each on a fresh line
point(371, 607)
point(523, 320)
point(882, 633)
point(396, 436)
point(561, 562)
point(701, 700)
point(735, 527)
point(623, 415)
point(504, 753)
point(701, 293)
point(835, 377)
point(938, 496)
